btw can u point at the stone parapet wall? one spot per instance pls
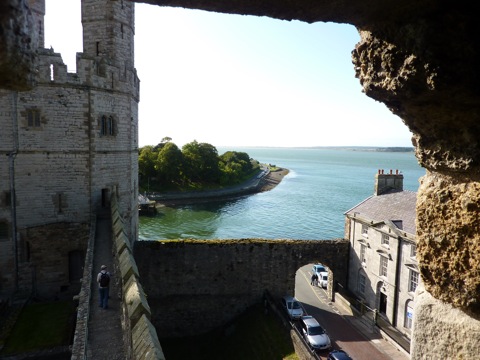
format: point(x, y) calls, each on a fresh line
point(137, 324)
point(144, 343)
point(79, 347)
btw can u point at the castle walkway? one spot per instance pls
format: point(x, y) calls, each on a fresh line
point(105, 335)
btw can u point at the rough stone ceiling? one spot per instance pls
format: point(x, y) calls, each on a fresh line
point(358, 13)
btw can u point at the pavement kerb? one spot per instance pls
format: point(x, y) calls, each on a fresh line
point(388, 341)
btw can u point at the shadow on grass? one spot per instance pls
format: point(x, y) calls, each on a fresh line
point(41, 326)
point(254, 336)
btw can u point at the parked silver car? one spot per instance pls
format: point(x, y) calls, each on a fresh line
point(293, 307)
point(315, 335)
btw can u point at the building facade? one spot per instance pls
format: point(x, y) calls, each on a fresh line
point(67, 146)
point(383, 270)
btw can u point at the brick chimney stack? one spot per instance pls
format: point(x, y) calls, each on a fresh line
point(387, 182)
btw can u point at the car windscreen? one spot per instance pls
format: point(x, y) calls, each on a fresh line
point(316, 330)
point(296, 305)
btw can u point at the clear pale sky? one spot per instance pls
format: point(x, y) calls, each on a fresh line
point(231, 80)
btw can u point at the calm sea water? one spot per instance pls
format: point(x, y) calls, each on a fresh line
point(308, 204)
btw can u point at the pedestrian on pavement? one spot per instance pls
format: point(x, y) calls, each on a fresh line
point(314, 279)
point(103, 279)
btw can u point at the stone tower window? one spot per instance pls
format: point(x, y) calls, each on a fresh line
point(107, 126)
point(60, 201)
point(33, 118)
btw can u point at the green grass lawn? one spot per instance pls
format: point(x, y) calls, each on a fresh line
point(41, 326)
point(254, 336)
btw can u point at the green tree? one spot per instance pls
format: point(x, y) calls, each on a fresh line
point(201, 162)
point(239, 157)
point(146, 165)
point(169, 164)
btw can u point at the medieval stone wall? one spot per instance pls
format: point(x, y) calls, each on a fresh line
point(71, 141)
point(196, 286)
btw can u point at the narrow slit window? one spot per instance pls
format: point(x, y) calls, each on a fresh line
point(110, 126)
point(33, 118)
point(103, 126)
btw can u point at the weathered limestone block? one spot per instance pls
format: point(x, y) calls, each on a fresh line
point(117, 228)
point(122, 243)
point(145, 341)
point(128, 266)
point(448, 235)
point(442, 332)
point(135, 300)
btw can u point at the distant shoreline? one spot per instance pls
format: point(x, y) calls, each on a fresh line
point(252, 186)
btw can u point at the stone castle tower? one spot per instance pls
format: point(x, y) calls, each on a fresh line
point(65, 147)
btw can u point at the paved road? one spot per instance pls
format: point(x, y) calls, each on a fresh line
point(342, 333)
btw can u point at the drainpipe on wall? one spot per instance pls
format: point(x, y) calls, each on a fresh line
point(397, 282)
point(11, 159)
point(13, 205)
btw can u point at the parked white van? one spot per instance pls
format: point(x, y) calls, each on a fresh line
point(323, 279)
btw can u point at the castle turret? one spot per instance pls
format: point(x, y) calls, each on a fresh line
point(387, 182)
point(37, 8)
point(108, 30)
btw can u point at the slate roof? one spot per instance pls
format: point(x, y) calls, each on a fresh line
point(396, 206)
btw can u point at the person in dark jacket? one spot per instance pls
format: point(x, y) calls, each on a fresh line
point(103, 280)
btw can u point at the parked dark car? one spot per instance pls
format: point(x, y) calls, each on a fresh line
point(338, 355)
